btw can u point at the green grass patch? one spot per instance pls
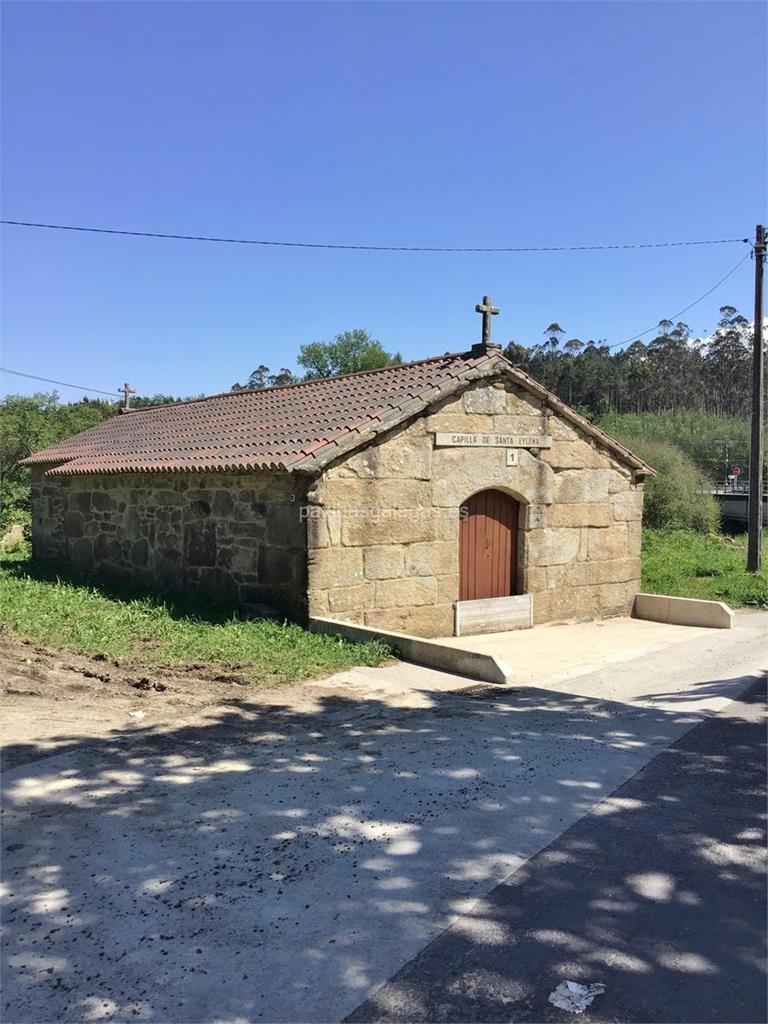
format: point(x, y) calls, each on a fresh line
point(78, 615)
point(683, 563)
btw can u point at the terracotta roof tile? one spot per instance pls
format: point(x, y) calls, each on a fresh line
point(268, 429)
point(298, 426)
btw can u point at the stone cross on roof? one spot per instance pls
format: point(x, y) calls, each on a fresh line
point(127, 391)
point(488, 310)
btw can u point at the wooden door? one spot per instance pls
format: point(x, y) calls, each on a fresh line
point(488, 546)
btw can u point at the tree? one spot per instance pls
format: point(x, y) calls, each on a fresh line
point(553, 334)
point(29, 423)
point(347, 353)
point(728, 364)
point(262, 378)
point(517, 354)
point(149, 401)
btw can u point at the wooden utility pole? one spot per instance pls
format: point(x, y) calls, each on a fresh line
point(755, 514)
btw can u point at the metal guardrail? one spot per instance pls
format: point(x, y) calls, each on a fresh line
point(738, 491)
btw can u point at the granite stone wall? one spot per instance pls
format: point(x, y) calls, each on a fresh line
point(383, 524)
point(237, 537)
point(374, 539)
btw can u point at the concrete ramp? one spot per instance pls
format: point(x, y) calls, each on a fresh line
point(540, 656)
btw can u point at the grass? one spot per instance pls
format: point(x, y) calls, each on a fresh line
point(79, 616)
point(687, 564)
point(75, 614)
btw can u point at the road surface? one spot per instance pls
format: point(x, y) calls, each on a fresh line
point(282, 863)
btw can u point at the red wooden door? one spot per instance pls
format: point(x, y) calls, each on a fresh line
point(488, 546)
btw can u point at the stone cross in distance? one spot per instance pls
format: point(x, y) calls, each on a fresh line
point(127, 391)
point(488, 310)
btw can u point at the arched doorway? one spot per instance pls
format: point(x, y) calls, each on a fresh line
point(488, 546)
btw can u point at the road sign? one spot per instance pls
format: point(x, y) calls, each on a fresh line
point(736, 471)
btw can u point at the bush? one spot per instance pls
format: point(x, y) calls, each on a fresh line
point(678, 496)
point(700, 435)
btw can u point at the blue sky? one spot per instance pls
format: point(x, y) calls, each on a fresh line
point(394, 123)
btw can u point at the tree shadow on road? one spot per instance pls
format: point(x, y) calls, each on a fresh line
point(659, 893)
point(265, 863)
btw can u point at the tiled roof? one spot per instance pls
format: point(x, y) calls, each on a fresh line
point(298, 426)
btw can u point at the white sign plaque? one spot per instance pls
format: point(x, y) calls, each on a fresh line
point(513, 457)
point(492, 440)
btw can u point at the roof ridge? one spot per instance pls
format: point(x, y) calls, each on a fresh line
point(295, 384)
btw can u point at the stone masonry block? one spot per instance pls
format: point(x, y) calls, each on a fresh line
point(399, 593)
point(619, 480)
point(634, 537)
point(616, 598)
point(569, 603)
point(383, 562)
point(509, 424)
point(533, 578)
point(552, 547)
point(608, 542)
point(323, 526)
point(520, 403)
point(486, 400)
point(426, 621)
point(461, 472)
point(575, 455)
point(627, 505)
point(73, 524)
point(432, 558)
point(447, 588)
point(343, 599)
point(446, 523)
point(318, 603)
point(585, 574)
point(459, 423)
point(335, 567)
point(562, 430)
point(402, 456)
point(387, 529)
point(593, 513)
point(580, 485)
point(373, 494)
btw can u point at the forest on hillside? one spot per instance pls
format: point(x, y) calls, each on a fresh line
point(670, 372)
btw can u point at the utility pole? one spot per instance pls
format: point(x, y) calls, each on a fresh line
point(755, 513)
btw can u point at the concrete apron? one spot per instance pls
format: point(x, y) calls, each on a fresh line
point(540, 656)
point(280, 866)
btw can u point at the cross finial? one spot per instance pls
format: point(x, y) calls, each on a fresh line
point(488, 310)
point(127, 391)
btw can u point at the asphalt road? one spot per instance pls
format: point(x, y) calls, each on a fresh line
point(658, 892)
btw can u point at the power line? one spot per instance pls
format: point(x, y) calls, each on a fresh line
point(708, 292)
point(674, 316)
point(61, 383)
point(370, 248)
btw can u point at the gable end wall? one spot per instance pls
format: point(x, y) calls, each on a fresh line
point(383, 522)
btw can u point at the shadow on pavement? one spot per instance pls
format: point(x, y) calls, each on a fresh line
point(269, 864)
point(659, 893)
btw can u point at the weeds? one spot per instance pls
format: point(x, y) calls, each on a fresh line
point(712, 566)
point(80, 616)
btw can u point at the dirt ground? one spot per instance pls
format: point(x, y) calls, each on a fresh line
point(51, 696)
